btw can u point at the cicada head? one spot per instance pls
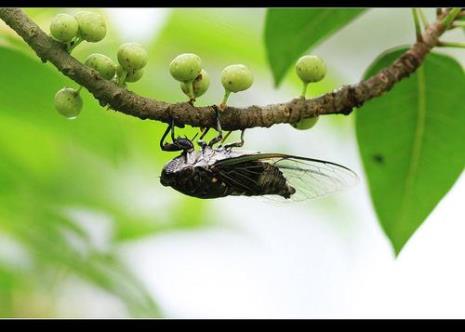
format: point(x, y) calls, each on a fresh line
point(176, 172)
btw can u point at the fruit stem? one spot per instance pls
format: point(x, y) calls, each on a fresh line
point(225, 99)
point(190, 91)
point(304, 90)
point(416, 21)
point(122, 78)
point(74, 43)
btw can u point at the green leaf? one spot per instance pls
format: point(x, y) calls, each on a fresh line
point(291, 32)
point(411, 143)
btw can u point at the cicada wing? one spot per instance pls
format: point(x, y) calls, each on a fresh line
point(312, 178)
point(241, 173)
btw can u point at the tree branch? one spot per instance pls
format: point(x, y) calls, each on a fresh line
point(341, 101)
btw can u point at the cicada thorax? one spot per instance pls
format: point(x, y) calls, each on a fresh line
point(191, 177)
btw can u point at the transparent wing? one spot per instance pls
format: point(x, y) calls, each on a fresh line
point(312, 178)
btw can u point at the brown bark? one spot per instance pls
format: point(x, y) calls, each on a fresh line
point(340, 101)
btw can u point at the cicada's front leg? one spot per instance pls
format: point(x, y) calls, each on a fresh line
point(178, 144)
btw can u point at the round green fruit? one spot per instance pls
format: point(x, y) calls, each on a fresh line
point(68, 102)
point(185, 67)
point(64, 27)
point(103, 64)
point(131, 75)
point(236, 78)
point(92, 26)
point(200, 84)
point(310, 68)
point(305, 123)
point(132, 56)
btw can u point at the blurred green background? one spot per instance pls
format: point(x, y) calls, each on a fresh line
point(58, 175)
point(75, 193)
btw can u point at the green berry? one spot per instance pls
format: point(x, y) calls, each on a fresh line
point(185, 67)
point(200, 84)
point(131, 75)
point(236, 78)
point(64, 27)
point(132, 56)
point(305, 123)
point(92, 26)
point(103, 64)
point(310, 68)
point(68, 102)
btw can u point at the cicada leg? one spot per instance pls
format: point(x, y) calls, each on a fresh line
point(225, 137)
point(236, 144)
point(178, 144)
point(169, 129)
point(201, 142)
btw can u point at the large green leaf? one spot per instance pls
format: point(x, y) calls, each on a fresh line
point(289, 32)
point(411, 143)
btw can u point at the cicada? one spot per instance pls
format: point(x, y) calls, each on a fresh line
point(223, 171)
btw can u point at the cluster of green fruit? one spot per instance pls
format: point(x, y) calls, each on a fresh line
point(187, 69)
point(71, 30)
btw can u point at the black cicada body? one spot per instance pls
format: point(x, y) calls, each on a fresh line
point(221, 172)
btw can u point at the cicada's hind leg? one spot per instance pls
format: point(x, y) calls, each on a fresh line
point(236, 144)
point(219, 137)
point(225, 137)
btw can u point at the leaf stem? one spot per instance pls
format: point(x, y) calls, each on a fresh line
point(451, 16)
point(423, 18)
point(451, 44)
point(416, 21)
point(458, 24)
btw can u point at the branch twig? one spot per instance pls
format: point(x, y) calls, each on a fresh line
point(341, 101)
